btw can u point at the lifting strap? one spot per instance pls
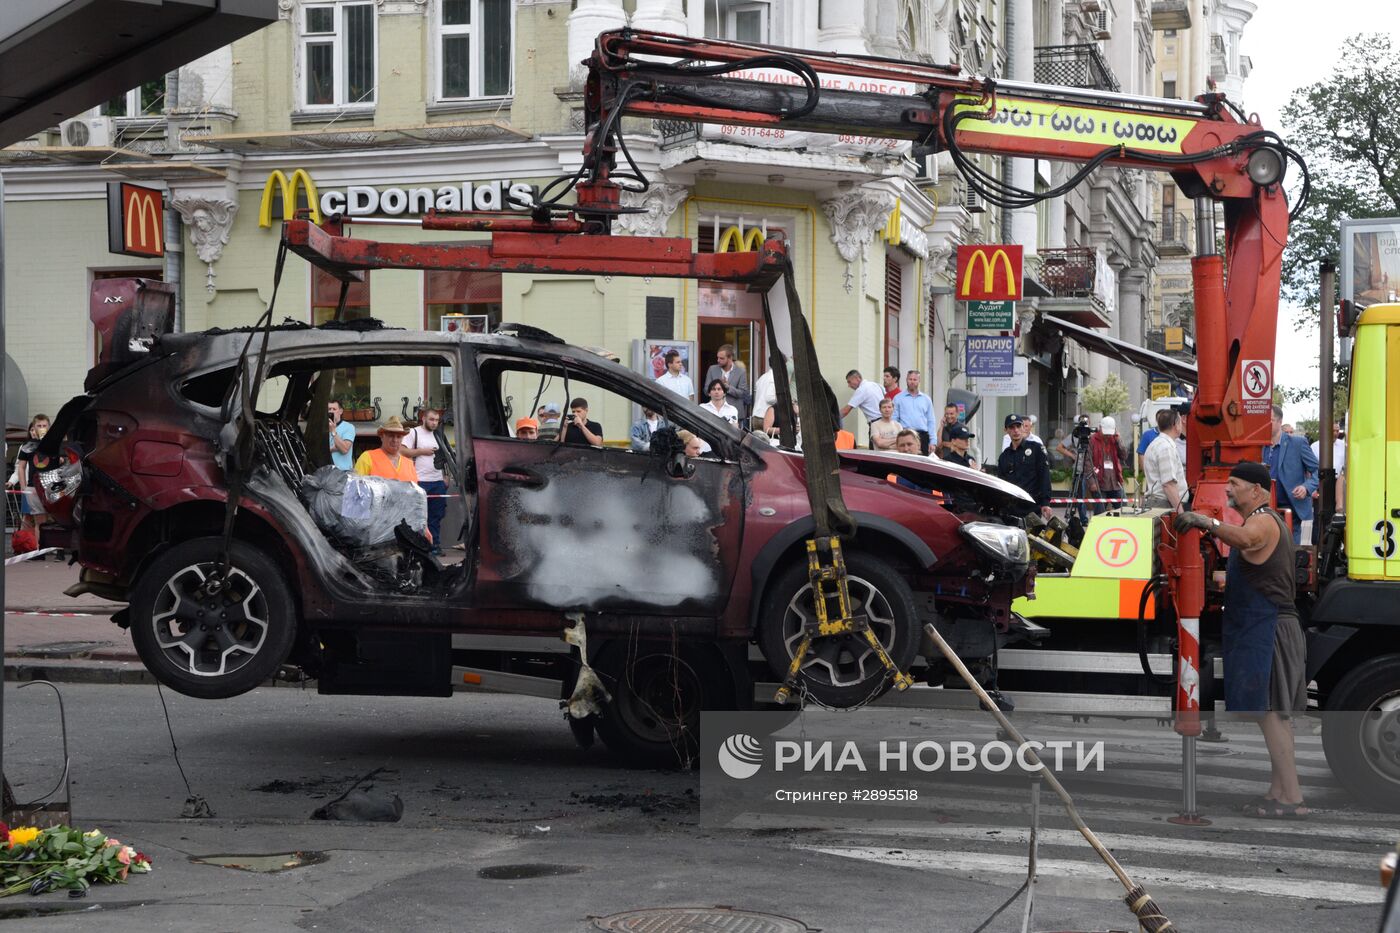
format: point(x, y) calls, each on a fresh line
point(826, 566)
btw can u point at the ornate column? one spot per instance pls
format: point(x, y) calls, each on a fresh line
point(660, 202)
point(660, 16)
point(208, 218)
point(588, 19)
point(854, 218)
point(841, 26)
point(1132, 293)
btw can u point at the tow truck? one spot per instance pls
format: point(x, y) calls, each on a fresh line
point(1219, 157)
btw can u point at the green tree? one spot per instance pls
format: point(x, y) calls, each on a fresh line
point(1345, 129)
point(1107, 397)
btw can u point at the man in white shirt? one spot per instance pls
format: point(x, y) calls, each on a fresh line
point(675, 378)
point(421, 444)
point(1339, 462)
point(765, 395)
point(865, 396)
point(1164, 473)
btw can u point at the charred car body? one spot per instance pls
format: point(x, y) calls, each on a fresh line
point(692, 560)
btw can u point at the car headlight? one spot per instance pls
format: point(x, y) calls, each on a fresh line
point(1002, 542)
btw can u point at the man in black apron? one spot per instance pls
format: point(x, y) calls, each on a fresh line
point(1262, 643)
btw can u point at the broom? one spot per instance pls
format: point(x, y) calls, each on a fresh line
point(1148, 914)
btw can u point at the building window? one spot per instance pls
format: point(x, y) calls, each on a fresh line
point(738, 20)
point(894, 301)
point(1169, 89)
point(337, 54)
point(474, 48)
point(350, 385)
point(148, 100)
point(477, 295)
point(1169, 33)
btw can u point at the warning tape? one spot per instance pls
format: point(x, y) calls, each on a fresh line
point(57, 615)
point(1088, 501)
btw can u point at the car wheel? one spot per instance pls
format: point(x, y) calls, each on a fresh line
point(1361, 732)
point(658, 693)
point(212, 645)
point(841, 670)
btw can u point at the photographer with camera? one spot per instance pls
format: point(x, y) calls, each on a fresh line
point(1075, 449)
point(1106, 460)
point(578, 429)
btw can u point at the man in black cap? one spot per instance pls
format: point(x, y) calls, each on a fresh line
point(956, 437)
point(1262, 640)
point(1023, 463)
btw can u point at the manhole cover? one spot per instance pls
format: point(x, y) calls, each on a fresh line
point(61, 649)
point(531, 870)
point(278, 861)
point(699, 920)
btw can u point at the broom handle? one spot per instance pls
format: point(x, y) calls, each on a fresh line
point(1047, 774)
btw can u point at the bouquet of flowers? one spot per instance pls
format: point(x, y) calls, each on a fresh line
point(60, 857)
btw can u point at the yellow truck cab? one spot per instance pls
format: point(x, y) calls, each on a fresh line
point(1373, 448)
point(1354, 624)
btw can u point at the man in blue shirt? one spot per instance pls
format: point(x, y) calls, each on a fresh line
point(1293, 466)
point(914, 410)
point(342, 437)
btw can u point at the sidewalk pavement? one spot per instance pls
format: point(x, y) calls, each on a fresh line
point(50, 636)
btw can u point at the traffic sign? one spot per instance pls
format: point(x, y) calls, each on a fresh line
point(990, 356)
point(989, 272)
point(1161, 390)
point(991, 315)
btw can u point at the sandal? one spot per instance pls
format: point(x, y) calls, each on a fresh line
point(1278, 810)
point(1256, 804)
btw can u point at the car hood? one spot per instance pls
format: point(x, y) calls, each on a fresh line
point(937, 474)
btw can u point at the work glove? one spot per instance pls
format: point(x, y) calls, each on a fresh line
point(1189, 520)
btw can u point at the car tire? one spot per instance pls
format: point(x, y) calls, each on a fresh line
point(1361, 732)
point(212, 647)
point(844, 671)
point(658, 693)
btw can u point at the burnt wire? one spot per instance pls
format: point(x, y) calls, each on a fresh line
point(195, 805)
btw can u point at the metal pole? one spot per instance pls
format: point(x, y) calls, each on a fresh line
point(1326, 472)
point(1189, 815)
point(7, 424)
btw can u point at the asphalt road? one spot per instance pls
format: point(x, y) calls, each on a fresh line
point(492, 783)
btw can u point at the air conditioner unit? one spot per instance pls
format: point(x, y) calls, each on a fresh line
point(87, 131)
point(1101, 24)
point(1091, 6)
point(926, 170)
point(972, 201)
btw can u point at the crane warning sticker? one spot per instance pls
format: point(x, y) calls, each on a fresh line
point(1256, 386)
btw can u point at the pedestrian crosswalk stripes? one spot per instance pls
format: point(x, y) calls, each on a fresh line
point(1089, 869)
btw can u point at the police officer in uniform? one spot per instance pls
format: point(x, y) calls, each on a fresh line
point(1024, 463)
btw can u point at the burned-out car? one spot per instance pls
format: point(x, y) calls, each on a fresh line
point(675, 565)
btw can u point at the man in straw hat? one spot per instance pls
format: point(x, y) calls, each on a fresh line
point(388, 461)
point(1262, 642)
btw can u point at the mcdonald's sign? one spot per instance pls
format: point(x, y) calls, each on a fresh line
point(135, 220)
point(978, 268)
point(278, 183)
point(734, 241)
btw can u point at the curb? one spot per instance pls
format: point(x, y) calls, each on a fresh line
point(21, 670)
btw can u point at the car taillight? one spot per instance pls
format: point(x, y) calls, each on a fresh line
point(58, 488)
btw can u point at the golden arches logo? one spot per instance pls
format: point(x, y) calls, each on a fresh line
point(277, 181)
point(988, 262)
point(735, 241)
point(139, 208)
